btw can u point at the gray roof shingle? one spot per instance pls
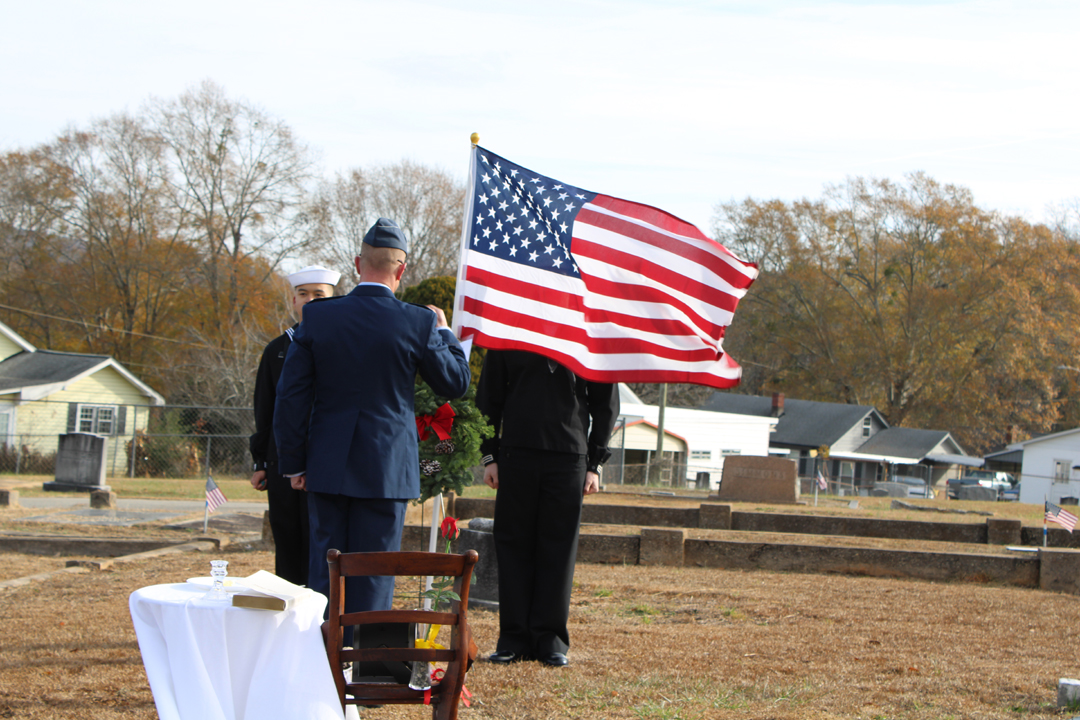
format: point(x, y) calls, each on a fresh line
point(903, 442)
point(44, 367)
point(804, 423)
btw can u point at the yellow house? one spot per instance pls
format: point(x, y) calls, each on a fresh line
point(45, 394)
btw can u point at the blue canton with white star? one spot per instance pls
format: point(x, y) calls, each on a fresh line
point(524, 217)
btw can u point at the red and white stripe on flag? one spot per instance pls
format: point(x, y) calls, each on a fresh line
point(614, 290)
point(214, 497)
point(1064, 518)
point(821, 482)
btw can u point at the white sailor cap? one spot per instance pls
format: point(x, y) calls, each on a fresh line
point(314, 274)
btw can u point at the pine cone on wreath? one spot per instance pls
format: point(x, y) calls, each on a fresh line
point(430, 467)
point(444, 447)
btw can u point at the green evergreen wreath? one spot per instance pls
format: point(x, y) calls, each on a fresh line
point(447, 466)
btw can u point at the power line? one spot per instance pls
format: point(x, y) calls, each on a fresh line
point(117, 330)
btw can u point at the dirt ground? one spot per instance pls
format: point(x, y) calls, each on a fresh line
point(647, 643)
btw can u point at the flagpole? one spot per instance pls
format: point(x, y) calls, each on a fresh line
point(1044, 520)
point(466, 223)
point(657, 468)
point(206, 510)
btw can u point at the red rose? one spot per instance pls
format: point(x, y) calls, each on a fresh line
point(449, 527)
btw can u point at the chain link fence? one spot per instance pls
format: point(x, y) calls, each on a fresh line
point(143, 441)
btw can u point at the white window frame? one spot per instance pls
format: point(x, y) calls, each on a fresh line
point(8, 437)
point(1062, 471)
point(867, 426)
point(701, 454)
point(91, 418)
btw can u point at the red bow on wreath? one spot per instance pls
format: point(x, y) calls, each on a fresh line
point(440, 422)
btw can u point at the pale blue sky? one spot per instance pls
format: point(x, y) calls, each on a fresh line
point(674, 103)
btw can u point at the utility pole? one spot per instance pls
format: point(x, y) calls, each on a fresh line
point(654, 469)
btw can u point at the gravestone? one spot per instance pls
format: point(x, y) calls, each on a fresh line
point(484, 590)
point(267, 532)
point(976, 492)
point(102, 500)
point(9, 498)
point(80, 464)
point(889, 489)
point(758, 479)
point(1068, 693)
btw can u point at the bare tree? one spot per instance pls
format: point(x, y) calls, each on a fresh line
point(341, 215)
point(33, 197)
point(239, 179)
point(425, 202)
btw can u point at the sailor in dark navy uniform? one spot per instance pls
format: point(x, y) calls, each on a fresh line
point(551, 435)
point(288, 507)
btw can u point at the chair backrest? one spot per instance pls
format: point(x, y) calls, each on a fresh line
point(443, 696)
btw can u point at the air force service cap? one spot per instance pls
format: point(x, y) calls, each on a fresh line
point(386, 233)
point(314, 274)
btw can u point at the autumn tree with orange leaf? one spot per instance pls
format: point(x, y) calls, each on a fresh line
point(910, 298)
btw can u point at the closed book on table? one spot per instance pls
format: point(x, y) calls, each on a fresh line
point(259, 601)
point(266, 591)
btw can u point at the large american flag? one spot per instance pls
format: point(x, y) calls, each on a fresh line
point(614, 290)
point(1064, 518)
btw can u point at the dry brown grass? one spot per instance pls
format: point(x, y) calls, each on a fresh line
point(648, 643)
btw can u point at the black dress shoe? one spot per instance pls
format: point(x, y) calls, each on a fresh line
point(554, 659)
point(505, 657)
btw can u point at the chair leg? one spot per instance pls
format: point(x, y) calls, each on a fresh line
point(450, 693)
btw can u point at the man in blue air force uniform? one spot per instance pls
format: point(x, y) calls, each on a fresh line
point(353, 363)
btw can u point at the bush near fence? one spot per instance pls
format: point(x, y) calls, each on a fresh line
point(26, 461)
point(184, 442)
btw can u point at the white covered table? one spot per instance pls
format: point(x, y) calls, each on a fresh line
point(213, 661)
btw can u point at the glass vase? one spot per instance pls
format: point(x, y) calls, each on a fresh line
point(421, 669)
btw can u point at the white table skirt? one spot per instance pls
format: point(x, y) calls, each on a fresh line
point(212, 661)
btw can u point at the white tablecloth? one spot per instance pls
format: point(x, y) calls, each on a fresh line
point(212, 661)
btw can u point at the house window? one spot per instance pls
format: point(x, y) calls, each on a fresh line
point(725, 453)
point(97, 419)
point(701, 454)
point(7, 426)
point(867, 423)
point(1061, 471)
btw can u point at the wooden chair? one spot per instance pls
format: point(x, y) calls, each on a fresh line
point(444, 695)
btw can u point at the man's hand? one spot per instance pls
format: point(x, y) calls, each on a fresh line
point(258, 480)
point(592, 483)
point(491, 476)
point(299, 482)
point(440, 316)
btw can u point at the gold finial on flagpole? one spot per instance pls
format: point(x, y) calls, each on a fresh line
point(475, 137)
